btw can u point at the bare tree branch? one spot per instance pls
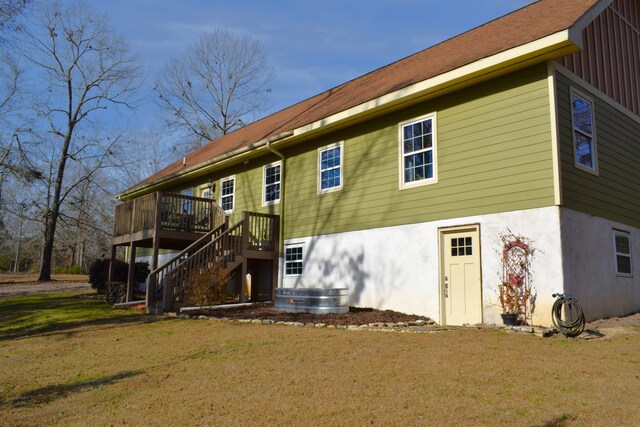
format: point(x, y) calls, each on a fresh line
point(87, 67)
point(218, 86)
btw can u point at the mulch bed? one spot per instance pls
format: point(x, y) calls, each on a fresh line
point(355, 316)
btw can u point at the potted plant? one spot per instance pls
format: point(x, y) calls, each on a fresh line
point(515, 287)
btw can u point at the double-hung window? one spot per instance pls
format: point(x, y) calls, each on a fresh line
point(272, 178)
point(330, 168)
point(187, 202)
point(227, 193)
point(418, 156)
point(584, 138)
point(622, 248)
point(293, 259)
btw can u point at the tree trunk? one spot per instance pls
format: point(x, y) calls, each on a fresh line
point(54, 211)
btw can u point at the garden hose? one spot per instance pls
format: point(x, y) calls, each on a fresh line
point(574, 324)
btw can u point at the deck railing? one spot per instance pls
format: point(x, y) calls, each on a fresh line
point(167, 211)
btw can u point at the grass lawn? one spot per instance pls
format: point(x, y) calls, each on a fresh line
point(66, 359)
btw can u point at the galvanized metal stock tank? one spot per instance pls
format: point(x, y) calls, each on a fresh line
point(312, 300)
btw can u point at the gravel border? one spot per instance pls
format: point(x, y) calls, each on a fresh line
point(417, 326)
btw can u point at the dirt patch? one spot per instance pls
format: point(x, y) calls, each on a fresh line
point(611, 322)
point(355, 316)
point(627, 325)
point(13, 278)
point(24, 288)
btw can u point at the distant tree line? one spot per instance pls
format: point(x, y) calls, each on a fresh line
point(67, 83)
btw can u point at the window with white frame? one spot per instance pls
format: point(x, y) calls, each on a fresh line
point(187, 202)
point(293, 260)
point(418, 151)
point(584, 140)
point(622, 247)
point(330, 168)
point(227, 193)
point(272, 174)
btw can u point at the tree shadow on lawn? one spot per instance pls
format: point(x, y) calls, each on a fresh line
point(52, 314)
point(50, 393)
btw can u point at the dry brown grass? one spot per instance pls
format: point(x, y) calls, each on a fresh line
point(121, 370)
point(6, 277)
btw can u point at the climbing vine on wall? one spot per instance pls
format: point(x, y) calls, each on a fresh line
point(516, 287)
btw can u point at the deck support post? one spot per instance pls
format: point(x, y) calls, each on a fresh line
point(151, 282)
point(243, 281)
point(131, 278)
point(274, 278)
point(112, 262)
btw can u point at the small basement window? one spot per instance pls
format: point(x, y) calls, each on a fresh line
point(293, 260)
point(622, 248)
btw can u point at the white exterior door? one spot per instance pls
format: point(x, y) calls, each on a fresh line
point(460, 279)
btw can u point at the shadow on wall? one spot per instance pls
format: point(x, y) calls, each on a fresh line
point(345, 268)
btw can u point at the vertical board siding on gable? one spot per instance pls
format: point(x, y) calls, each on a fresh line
point(493, 153)
point(610, 58)
point(615, 193)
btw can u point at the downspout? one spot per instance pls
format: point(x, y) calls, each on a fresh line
point(282, 193)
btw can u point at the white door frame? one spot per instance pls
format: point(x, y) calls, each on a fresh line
point(442, 233)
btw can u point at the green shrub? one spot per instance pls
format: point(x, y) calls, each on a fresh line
point(73, 269)
point(5, 261)
point(99, 273)
point(141, 271)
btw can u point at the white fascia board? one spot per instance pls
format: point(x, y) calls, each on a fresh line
point(549, 43)
point(575, 32)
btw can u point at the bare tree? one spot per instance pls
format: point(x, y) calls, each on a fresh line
point(9, 74)
point(82, 67)
point(217, 86)
point(146, 151)
point(9, 10)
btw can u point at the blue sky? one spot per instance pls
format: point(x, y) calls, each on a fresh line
point(312, 45)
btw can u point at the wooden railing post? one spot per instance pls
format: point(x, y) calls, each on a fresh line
point(157, 217)
point(245, 230)
point(133, 216)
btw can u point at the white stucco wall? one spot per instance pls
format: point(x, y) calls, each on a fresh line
point(163, 258)
point(398, 267)
point(589, 266)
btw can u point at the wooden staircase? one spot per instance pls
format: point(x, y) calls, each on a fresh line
point(253, 237)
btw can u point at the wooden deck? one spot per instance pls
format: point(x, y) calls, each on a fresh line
point(200, 230)
point(174, 217)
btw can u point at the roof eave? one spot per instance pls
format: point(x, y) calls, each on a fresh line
point(550, 47)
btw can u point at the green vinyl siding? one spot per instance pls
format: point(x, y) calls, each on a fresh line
point(493, 154)
point(248, 187)
point(615, 192)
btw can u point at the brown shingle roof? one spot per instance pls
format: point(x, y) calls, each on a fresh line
point(525, 25)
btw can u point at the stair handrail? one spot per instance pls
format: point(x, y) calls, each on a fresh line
point(190, 247)
point(168, 277)
point(213, 242)
point(152, 279)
